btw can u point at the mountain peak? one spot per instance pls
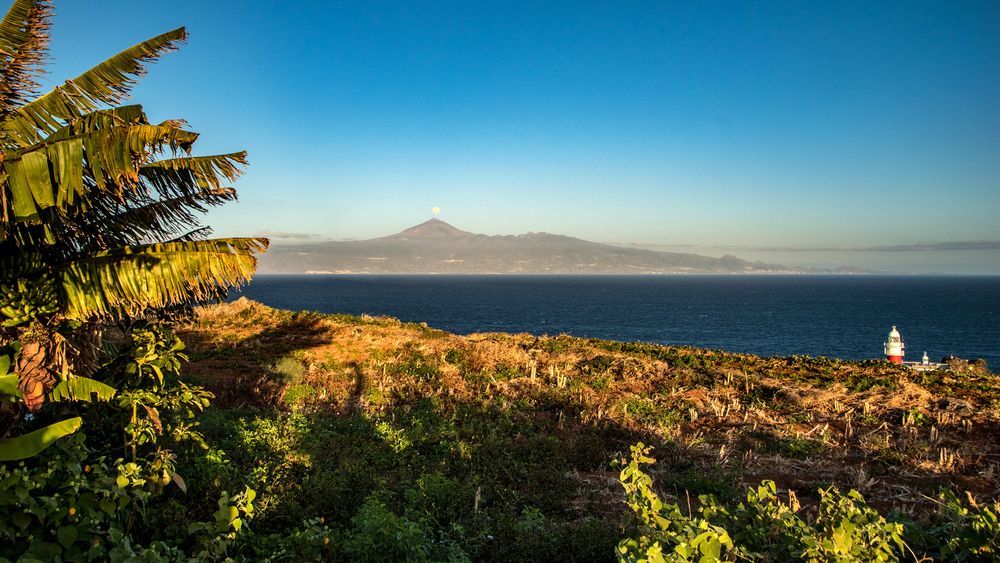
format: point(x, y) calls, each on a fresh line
point(431, 229)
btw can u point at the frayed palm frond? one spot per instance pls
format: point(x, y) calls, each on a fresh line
point(107, 83)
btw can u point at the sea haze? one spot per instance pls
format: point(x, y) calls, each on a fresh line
point(836, 316)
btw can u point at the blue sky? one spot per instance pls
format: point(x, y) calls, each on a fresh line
point(809, 132)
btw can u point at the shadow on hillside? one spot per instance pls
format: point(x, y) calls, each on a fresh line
point(233, 369)
point(355, 400)
point(500, 484)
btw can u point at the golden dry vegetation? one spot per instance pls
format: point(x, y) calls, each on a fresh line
point(720, 420)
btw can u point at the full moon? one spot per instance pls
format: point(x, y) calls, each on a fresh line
point(436, 210)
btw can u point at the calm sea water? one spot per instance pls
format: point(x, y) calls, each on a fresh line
point(836, 316)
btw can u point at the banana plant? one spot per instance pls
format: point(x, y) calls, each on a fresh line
point(99, 213)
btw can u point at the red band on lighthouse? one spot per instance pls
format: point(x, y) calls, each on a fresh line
point(894, 347)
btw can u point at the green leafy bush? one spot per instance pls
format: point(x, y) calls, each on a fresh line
point(843, 529)
point(664, 532)
point(69, 505)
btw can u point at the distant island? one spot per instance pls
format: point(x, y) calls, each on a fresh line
point(436, 247)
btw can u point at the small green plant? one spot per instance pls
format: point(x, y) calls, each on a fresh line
point(599, 383)
point(700, 480)
point(797, 448)
point(232, 514)
point(456, 357)
point(664, 532)
point(964, 531)
point(313, 540)
point(597, 365)
point(158, 408)
point(414, 364)
point(646, 411)
point(395, 438)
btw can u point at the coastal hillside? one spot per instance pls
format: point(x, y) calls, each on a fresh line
point(437, 247)
point(501, 446)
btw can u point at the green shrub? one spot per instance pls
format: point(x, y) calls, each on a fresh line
point(313, 540)
point(380, 535)
point(289, 370)
point(647, 411)
point(700, 480)
point(597, 365)
point(842, 528)
point(298, 395)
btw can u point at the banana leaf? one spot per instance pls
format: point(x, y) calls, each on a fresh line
point(8, 388)
point(73, 389)
point(27, 445)
point(106, 83)
point(81, 389)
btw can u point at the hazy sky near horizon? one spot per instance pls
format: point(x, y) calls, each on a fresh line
point(820, 133)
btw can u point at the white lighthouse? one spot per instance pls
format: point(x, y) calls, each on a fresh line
point(894, 347)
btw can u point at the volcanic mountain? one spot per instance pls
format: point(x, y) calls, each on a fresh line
point(439, 248)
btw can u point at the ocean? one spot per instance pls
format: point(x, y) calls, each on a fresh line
point(836, 316)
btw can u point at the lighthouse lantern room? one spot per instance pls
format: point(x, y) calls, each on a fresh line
point(894, 347)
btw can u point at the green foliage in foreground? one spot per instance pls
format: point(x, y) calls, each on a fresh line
point(764, 527)
point(71, 505)
point(87, 499)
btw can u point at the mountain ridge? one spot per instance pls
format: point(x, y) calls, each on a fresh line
point(437, 247)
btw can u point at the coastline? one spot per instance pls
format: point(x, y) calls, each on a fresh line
point(834, 315)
